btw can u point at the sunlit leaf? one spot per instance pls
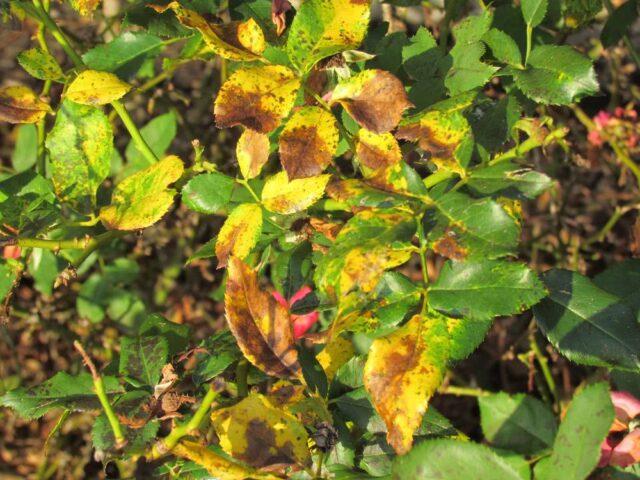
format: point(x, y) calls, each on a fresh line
point(308, 142)
point(261, 325)
point(252, 151)
point(376, 152)
point(240, 41)
point(285, 196)
point(143, 198)
point(96, 88)
point(240, 233)
point(324, 27)
point(334, 355)
point(85, 7)
point(374, 98)
point(18, 104)
point(256, 97)
point(260, 434)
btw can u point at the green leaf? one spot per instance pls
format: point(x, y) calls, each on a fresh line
point(322, 28)
point(80, 147)
point(124, 54)
point(576, 449)
point(40, 64)
point(158, 134)
point(520, 423)
point(221, 351)
point(508, 180)
point(66, 391)
point(586, 324)
point(622, 280)
point(208, 193)
point(618, 23)
point(44, 267)
point(482, 290)
point(25, 152)
point(461, 227)
point(142, 358)
point(8, 275)
point(377, 457)
point(176, 335)
point(557, 75)
point(534, 11)
point(579, 12)
point(503, 47)
point(453, 460)
point(143, 198)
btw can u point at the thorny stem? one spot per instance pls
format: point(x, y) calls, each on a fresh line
point(78, 62)
point(164, 446)
point(544, 366)
point(98, 386)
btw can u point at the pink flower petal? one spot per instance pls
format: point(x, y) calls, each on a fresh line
point(626, 405)
point(280, 299)
point(300, 294)
point(627, 452)
point(602, 118)
point(302, 323)
point(594, 138)
point(605, 451)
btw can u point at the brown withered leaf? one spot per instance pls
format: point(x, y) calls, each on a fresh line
point(252, 151)
point(308, 142)
point(375, 99)
point(262, 327)
point(18, 104)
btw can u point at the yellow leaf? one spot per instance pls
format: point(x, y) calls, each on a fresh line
point(308, 142)
point(286, 197)
point(322, 28)
point(217, 465)
point(403, 371)
point(335, 354)
point(376, 152)
point(240, 233)
point(96, 88)
point(260, 434)
point(439, 133)
point(19, 104)
point(261, 325)
point(256, 97)
point(240, 41)
point(143, 198)
point(252, 151)
point(85, 7)
point(375, 99)
point(363, 266)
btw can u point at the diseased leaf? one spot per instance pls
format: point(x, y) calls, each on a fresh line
point(517, 422)
point(218, 465)
point(481, 290)
point(260, 434)
point(509, 180)
point(40, 64)
point(252, 151)
point(453, 460)
point(142, 358)
point(256, 97)
point(440, 132)
point(576, 449)
point(240, 233)
point(143, 198)
point(66, 391)
point(376, 99)
point(557, 75)
point(322, 28)
point(377, 153)
point(18, 104)
point(334, 355)
point(240, 41)
point(95, 88)
point(80, 146)
point(586, 324)
point(308, 142)
point(84, 7)
point(124, 55)
point(284, 196)
point(208, 192)
point(261, 325)
point(402, 372)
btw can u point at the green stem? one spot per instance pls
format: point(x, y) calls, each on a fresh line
point(544, 366)
point(55, 31)
point(529, 41)
point(321, 458)
point(463, 391)
point(242, 371)
point(423, 251)
point(438, 177)
point(131, 127)
point(164, 446)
